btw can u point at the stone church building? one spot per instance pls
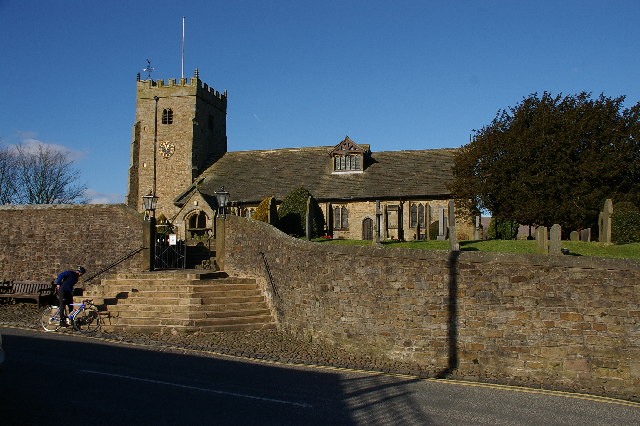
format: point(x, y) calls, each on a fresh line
point(179, 152)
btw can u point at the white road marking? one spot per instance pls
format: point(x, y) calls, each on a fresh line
point(160, 382)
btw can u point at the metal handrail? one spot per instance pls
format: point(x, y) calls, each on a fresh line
point(266, 265)
point(117, 262)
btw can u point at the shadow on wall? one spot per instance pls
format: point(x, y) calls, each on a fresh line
point(452, 323)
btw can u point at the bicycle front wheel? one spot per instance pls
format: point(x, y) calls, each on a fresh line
point(50, 318)
point(87, 320)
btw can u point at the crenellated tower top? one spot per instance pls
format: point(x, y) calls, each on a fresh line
point(193, 86)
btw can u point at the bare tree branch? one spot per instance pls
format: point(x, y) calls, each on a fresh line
point(47, 176)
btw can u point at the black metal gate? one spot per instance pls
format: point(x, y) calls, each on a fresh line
point(170, 256)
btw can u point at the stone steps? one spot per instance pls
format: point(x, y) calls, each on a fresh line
point(237, 310)
point(183, 301)
point(189, 275)
point(177, 284)
point(192, 329)
point(145, 318)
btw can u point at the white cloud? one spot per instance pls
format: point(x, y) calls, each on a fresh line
point(28, 142)
point(96, 197)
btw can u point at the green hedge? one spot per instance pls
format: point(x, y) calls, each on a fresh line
point(625, 223)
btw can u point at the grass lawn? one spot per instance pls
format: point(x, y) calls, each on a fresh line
point(576, 248)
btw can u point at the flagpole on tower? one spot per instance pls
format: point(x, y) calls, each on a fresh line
point(182, 72)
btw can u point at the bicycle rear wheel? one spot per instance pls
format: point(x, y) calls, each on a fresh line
point(87, 320)
point(50, 318)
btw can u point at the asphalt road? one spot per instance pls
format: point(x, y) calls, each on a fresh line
point(60, 378)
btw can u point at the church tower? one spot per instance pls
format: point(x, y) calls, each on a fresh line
point(180, 130)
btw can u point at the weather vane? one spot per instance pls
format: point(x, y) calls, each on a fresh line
point(149, 69)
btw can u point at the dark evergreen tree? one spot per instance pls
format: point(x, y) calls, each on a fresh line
point(292, 214)
point(552, 159)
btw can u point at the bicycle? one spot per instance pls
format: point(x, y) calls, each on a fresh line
point(85, 318)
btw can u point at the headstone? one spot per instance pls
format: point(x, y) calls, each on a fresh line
point(574, 236)
point(442, 224)
point(378, 221)
point(427, 220)
point(585, 235)
point(605, 229)
point(542, 240)
point(555, 236)
point(600, 227)
point(453, 239)
point(476, 229)
point(309, 218)
point(273, 211)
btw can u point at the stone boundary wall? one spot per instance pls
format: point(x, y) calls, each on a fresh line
point(560, 322)
point(39, 241)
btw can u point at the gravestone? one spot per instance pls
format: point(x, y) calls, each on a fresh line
point(542, 240)
point(555, 236)
point(273, 211)
point(574, 236)
point(442, 224)
point(585, 235)
point(309, 218)
point(604, 222)
point(476, 229)
point(453, 239)
point(378, 221)
point(427, 220)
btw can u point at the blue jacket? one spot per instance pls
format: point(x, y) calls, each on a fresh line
point(66, 280)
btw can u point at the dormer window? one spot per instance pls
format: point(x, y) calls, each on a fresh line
point(167, 116)
point(348, 157)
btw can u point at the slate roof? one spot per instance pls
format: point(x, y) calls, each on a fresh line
point(250, 176)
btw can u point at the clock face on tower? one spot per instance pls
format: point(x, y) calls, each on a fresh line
point(167, 149)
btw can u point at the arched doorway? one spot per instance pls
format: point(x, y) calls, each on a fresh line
point(367, 229)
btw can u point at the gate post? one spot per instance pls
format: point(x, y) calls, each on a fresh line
point(220, 230)
point(149, 240)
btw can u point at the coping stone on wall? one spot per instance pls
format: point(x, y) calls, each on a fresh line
point(468, 256)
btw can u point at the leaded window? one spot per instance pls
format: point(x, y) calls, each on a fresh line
point(167, 116)
point(417, 215)
point(413, 222)
point(340, 217)
point(347, 163)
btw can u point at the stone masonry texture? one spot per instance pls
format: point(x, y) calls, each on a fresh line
point(39, 241)
point(559, 322)
point(562, 322)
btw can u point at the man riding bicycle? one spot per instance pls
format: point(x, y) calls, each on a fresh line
point(64, 286)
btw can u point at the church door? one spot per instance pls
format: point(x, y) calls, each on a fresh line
point(367, 229)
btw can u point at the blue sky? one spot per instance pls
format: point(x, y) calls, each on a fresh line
point(398, 75)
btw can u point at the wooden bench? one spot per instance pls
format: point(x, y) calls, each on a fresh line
point(33, 290)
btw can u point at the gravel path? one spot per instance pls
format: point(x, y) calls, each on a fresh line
point(268, 344)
